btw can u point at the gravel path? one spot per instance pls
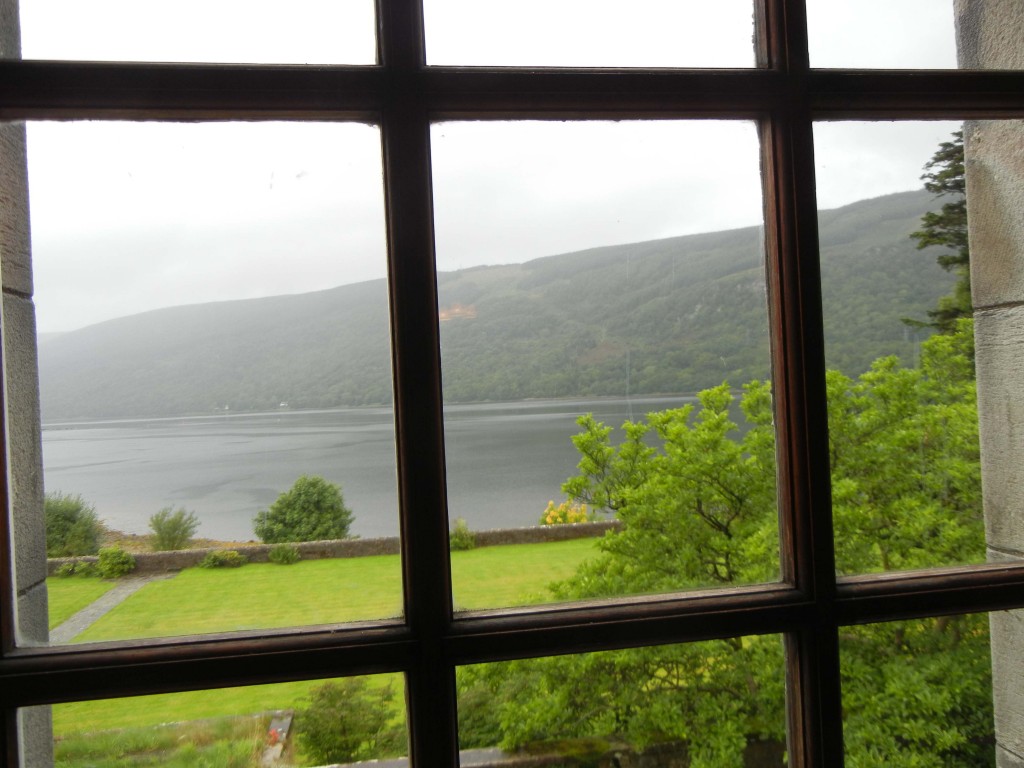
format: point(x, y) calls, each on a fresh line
point(93, 612)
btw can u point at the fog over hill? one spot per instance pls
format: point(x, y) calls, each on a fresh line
point(665, 316)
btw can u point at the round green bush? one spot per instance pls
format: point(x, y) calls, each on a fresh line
point(223, 558)
point(72, 527)
point(114, 562)
point(311, 510)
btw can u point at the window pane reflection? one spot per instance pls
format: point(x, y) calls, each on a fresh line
point(216, 31)
point(899, 345)
point(590, 33)
point(918, 693)
point(214, 369)
point(601, 361)
point(909, 34)
point(306, 723)
point(719, 702)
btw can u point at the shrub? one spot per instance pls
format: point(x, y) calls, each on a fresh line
point(346, 722)
point(311, 510)
point(568, 511)
point(114, 562)
point(76, 568)
point(223, 558)
point(460, 537)
point(284, 554)
point(173, 529)
point(72, 527)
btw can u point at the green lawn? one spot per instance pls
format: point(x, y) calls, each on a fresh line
point(70, 595)
point(264, 595)
point(106, 714)
point(259, 596)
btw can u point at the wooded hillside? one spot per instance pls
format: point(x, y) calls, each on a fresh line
point(666, 316)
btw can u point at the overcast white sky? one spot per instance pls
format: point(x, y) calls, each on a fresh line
point(130, 217)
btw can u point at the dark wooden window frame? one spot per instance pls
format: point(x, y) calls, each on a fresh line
point(403, 96)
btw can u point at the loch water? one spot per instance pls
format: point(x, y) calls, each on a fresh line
point(504, 461)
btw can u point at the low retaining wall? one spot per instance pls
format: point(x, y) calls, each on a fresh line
point(159, 562)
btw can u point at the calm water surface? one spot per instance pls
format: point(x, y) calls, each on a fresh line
point(504, 462)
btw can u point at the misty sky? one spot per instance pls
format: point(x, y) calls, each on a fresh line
point(130, 217)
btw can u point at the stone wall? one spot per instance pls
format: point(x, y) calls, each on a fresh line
point(159, 562)
point(989, 36)
point(21, 400)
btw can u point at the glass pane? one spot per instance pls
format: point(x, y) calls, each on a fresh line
point(590, 33)
point(720, 702)
point(881, 34)
point(246, 31)
point(899, 344)
point(918, 693)
point(214, 369)
point(308, 723)
point(576, 301)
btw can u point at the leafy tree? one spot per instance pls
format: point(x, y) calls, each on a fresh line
point(947, 227)
point(72, 527)
point(172, 529)
point(698, 509)
point(311, 510)
point(346, 721)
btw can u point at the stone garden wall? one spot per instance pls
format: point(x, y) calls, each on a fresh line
point(160, 562)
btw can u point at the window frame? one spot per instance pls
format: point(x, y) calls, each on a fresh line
point(404, 96)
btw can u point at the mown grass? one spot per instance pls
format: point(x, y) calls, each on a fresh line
point(266, 596)
point(67, 596)
point(309, 592)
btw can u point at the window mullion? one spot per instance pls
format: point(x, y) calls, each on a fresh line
point(801, 412)
point(808, 559)
point(430, 687)
point(424, 526)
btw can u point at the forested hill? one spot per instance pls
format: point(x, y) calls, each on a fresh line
point(673, 315)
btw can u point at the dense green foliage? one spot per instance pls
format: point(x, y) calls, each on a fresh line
point(945, 178)
point(72, 527)
point(114, 563)
point(172, 529)
point(697, 500)
point(223, 558)
point(313, 509)
point(460, 538)
point(347, 721)
point(81, 568)
point(667, 316)
point(284, 554)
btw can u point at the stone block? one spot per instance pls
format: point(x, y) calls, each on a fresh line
point(988, 34)
point(15, 249)
point(999, 335)
point(1006, 759)
point(33, 624)
point(10, 30)
point(1007, 628)
point(35, 725)
point(26, 465)
point(994, 152)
